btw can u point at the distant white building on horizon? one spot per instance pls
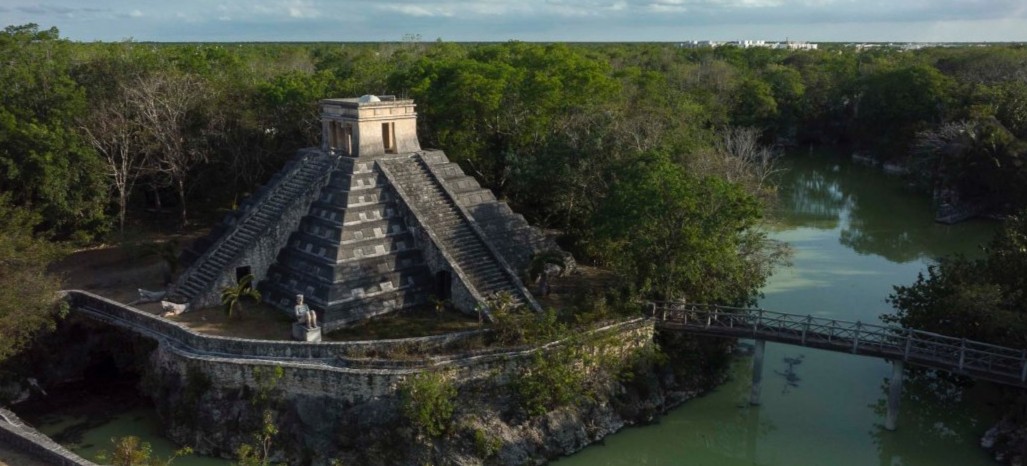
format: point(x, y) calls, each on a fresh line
point(747, 44)
point(792, 45)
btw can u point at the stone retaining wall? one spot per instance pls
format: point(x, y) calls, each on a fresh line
point(362, 384)
point(25, 439)
point(324, 369)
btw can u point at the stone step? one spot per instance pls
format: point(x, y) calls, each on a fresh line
point(459, 235)
point(482, 277)
point(479, 268)
point(497, 283)
point(469, 253)
point(479, 274)
point(491, 286)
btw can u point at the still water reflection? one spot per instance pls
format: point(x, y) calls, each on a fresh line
point(856, 233)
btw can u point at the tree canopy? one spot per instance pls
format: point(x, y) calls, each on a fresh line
point(29, 300)
point(981, 299)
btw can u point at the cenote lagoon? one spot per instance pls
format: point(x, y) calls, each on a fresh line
point(856, 233)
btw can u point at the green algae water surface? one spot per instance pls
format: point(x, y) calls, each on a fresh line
point(85, 419)
point(856, 233)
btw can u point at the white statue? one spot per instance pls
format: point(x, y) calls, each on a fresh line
point(173, 309)
point(304, 314)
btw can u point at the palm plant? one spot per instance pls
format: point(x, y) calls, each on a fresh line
point(231, 296)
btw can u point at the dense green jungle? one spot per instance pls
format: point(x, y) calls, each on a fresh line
point(652, 160)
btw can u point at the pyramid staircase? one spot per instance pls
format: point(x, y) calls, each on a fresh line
point(507, 231)
point(239, 233)
point(453, 230)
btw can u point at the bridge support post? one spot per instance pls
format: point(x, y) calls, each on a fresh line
point(757, 371)
point(894, 395)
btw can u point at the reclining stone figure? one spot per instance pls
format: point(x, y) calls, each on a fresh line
point(173, 309)
point(146, 296)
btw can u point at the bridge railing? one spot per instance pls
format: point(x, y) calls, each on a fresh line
point(961, 355)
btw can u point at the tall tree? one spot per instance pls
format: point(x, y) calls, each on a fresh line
point(115, 133)
point(675, 235)
point(42, 155)
point(165, 104)
point(982, 299)
point(29, 300)
point(896, 103)
point(501, 100)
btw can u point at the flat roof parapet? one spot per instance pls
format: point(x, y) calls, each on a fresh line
point(367, 101)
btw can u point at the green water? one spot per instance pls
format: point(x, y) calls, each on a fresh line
point(856, 233)
point(85, 418)
point(141, 422)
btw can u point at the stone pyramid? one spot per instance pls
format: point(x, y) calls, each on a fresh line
point(367, 224)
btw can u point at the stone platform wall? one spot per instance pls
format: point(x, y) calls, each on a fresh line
point(345, 353)
point(335, 369)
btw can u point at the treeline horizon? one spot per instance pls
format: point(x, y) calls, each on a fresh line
point(624, 148)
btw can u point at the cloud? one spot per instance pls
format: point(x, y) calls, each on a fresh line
point(416, 10)
point(611, 20)
point(301, 9)
point(50, 9)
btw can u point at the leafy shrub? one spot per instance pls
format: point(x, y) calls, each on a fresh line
point(521, 328)
point(131, 451)
point(428, 402)
point(552, 379)
point(487, 445)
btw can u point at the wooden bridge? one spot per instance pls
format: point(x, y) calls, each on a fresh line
point(1007, 366)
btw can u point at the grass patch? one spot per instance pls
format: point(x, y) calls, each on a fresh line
point(419, 321)
point(256, 321)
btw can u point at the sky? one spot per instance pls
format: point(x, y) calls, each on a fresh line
point(527, 20)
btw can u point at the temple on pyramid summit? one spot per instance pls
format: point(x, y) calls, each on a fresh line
point(366, 224)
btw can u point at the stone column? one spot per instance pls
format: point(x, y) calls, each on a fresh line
point(894, 395)
point(324, 135)
point(757, 371)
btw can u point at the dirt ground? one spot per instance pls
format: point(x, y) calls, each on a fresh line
point(112, 272)
point(117, 272)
